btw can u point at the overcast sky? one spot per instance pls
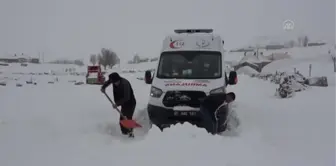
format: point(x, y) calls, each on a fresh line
point(77, 28)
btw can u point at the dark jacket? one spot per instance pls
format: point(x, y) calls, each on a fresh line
point(214, 113)
point(213, 101)
point(123, 93)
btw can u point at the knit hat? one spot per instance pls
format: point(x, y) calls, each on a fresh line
point(114, 77)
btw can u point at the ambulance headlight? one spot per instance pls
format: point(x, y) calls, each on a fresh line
point(155, 92)
point(218, 90)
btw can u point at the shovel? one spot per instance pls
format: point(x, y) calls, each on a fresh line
point(127, 123)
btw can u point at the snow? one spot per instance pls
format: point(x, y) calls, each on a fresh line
point(278, 56)
point(321, 63)
point(31, 68)
point(184, 108)
point(250, 58)
point(63, 124)
point(246, 70)
point(254, 59)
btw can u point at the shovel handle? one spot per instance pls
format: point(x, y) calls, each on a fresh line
point(108, 97)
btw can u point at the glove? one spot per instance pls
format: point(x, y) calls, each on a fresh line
point(102, 90)
point(118, 103)
point(114, 106)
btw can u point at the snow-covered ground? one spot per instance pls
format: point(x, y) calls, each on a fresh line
point(31, 68)
point(63, 124)
point(298, 59)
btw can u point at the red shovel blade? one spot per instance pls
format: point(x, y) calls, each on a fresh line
point(129, 123)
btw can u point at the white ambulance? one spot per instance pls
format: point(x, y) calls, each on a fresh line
point(190, 67)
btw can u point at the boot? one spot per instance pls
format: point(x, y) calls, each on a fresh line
point(131, 135)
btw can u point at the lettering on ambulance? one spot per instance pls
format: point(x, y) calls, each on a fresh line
point(187, 84)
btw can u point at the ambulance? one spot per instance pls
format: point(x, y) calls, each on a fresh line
point(190, 67)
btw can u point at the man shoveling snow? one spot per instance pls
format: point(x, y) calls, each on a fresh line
point(124, 97)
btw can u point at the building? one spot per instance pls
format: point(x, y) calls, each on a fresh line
point(9, 60)
point(34, 60)
point(19, 59)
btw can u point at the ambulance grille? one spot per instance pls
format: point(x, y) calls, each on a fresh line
point(183, 98)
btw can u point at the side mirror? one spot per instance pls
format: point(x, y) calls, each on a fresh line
point(233, 79)
point(148, 77)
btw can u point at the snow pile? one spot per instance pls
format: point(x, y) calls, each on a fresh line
point(278, 56)
point(247, 70)
point(315, 62)
point(184, 108)
point(279, 77)
point(188, 130)
point(251, 61)
point(284, 59)
point(255, 59)
point(289, 84)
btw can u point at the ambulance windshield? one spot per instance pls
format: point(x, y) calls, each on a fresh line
point(190, 65)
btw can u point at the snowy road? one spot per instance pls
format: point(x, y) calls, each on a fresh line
point(63, 124)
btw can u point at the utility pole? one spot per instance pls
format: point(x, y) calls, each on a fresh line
point(42, 57)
